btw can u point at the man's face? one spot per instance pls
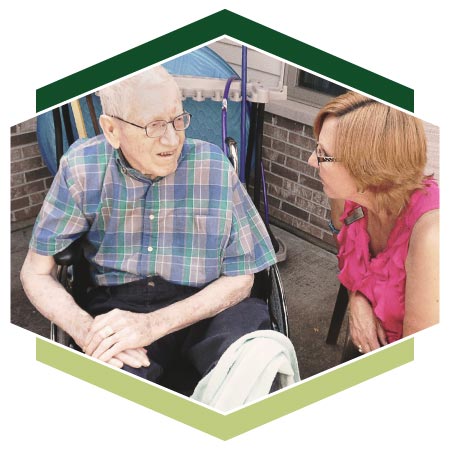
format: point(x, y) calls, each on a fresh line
point(154, 157)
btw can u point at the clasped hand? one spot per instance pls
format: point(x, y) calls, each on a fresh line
point(365, 329)
point(119, 337)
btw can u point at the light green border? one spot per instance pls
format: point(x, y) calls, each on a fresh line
point(214, 423)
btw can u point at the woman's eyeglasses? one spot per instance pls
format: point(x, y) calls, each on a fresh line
point(323, 157)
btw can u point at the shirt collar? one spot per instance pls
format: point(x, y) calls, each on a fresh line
point(126, 169)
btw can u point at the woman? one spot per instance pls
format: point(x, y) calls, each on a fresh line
point(371, 160)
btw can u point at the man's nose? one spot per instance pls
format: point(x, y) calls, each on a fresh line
point(312, 160)
point(170, 137)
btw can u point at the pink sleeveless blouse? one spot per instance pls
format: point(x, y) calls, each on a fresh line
point(382, 278)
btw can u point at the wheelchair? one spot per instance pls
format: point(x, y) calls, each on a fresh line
point(67, 123)
point(73, 274)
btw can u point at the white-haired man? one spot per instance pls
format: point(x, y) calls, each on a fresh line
point(170, 234)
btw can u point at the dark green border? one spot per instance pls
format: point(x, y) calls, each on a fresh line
point(204, 419)
point(212, 27)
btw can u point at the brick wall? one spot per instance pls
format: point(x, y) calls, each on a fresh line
point(30, 179)
point(295, 193)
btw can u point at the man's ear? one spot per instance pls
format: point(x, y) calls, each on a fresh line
point(110, 130)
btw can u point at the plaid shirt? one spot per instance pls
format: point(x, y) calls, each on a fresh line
point(189, 227)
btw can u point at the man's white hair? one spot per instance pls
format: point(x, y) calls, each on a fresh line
point(117, 98)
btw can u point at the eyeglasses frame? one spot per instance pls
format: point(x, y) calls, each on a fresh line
point(321, 159)
point(167, 123)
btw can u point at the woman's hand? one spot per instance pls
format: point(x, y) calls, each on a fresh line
point(365, 328)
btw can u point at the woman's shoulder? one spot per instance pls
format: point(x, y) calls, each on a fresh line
point(422, 262)
point(422, 201)
point(427, 195)
point(426, 229)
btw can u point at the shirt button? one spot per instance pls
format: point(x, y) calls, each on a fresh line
point(150, 249)
point(151, 216)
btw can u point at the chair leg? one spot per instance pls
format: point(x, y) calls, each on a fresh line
point(337, 318)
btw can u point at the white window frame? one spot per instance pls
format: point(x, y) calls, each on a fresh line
point(301, 94)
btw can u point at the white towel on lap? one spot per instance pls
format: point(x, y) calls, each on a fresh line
point(247, 370)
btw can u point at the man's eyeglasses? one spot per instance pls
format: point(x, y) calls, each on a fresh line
point(323, 157)
point(157, 128)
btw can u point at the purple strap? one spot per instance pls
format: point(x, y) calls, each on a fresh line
point(226, 92)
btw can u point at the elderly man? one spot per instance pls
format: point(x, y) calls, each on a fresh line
point(172, 238)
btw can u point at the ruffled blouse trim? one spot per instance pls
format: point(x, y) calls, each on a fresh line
point(381, 278)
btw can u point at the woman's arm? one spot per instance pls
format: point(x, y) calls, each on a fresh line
point(422, 275)
point(366, 330)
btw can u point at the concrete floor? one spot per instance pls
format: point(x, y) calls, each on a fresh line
point(309, 280)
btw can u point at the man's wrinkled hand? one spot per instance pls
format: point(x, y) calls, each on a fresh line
point(117, 331)
point(136, 357)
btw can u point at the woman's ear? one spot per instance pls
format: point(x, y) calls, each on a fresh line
point(110, 130)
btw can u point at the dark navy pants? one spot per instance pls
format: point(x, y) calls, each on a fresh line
point(201, 344)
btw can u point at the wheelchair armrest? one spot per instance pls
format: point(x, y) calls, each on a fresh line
point(70, 255)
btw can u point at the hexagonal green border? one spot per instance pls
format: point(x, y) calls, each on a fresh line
point(224, 426)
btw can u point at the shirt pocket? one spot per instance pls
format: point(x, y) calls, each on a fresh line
point(209, 236)
point(194, 241)
point(199, 235)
